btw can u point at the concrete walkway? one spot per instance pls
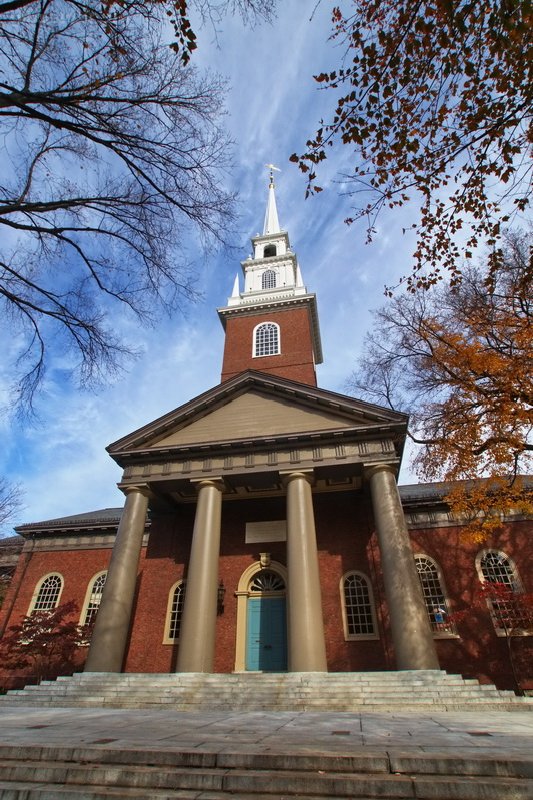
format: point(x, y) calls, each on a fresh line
point(485, 735)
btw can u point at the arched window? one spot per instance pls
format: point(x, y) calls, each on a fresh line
point(496, 567)
point(47, 593)
point(434, 595)
point(93, 599)
point(176, 597)
point(267, 581)
point(268, 279)
point(358, 607)
point(266, 339)
point(270, 250)
point(509, 615)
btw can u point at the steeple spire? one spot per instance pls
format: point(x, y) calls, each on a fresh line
point(271, 215)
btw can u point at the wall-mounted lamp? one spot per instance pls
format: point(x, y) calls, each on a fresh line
point(220, 597)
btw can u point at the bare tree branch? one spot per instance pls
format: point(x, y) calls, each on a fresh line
point(114, 161)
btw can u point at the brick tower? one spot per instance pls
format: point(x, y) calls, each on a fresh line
point(272, 325)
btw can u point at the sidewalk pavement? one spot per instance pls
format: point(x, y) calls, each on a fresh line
point(501, 734)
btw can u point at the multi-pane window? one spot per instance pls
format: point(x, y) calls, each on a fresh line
point(358, 606)
point(497, 568)
point(95, 597)
point(176, 611)
point(434, 597)
point(508, 613)
point(48, 594)
point(266, 339)
point(268, 279)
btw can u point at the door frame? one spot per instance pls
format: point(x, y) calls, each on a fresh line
point(242, 595)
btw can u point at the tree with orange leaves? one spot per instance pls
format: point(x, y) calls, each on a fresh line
point(432, 103)
point(460, 360)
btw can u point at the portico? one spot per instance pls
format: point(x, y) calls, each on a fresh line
point(348, 447)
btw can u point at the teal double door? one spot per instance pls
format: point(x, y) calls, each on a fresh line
point(266, 634)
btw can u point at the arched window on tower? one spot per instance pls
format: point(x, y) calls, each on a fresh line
point(47, 593)
point(93, 599)
point(268, 279)
point(266, 339)
point(358, 607)
point(176, 596)
point(509, 615)
point(434, 595)
point(270, 250)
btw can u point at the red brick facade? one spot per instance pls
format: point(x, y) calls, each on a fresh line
point(295, 360)
point(346, 541)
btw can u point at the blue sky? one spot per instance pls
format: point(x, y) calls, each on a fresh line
point(273, 106)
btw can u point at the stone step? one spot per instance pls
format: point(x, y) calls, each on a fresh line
point(91, 773)
point(322, 690)
point(430, 689)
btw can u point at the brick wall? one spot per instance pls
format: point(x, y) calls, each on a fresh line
point(295, 361)
point(346, 541)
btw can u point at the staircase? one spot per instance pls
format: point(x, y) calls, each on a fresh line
point(420, 690)
point(90, 773)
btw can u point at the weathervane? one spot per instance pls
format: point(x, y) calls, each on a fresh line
point(271, 167)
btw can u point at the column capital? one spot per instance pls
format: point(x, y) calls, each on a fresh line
point(371, 469)
point(217, 482)
point(288, 475)
point(141, 488)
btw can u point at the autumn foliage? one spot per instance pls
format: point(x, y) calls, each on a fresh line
point(460, 361)
point(434, 104)
point(45, 644)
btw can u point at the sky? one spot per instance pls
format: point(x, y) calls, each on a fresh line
point(273, 107)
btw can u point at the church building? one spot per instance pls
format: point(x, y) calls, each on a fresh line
point(263, 528)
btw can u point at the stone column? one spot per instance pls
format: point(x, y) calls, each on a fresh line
point(111, 629)
point(307, 647)
point(197, 633)
point(411, 631)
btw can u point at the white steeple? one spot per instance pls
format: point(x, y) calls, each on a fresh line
point(271, 224)
point(272, 277)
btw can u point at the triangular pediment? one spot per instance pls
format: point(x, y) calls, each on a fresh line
point(253, 415)
point(255, 406)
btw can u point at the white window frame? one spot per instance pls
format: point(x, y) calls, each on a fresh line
point(271, 280)
point(167, 638)
point(516, 584)
point(448, 631)
point(38, 588)
point(89, 595)
point(359, 637)
point(257, 328)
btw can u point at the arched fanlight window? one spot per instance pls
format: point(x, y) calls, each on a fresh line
point(268, 279)
point(496, 567)
point(434, 595)
point(270, 250)
point(93, 599)
point(267, 581)
point(266, 339)
point(176, 597)
point(47, 593)
point(508, 614)
point(358, 607)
